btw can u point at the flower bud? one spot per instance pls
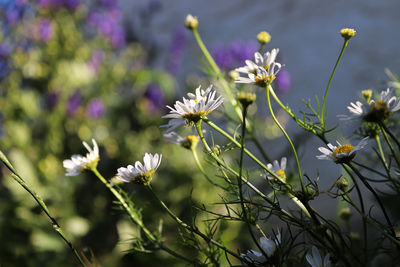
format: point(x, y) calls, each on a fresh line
point(245, 98)
point(233, 74)
point(191, 22)
point(342, 184)
point(264, 37)
point(367, 94)
point(347, 33)
point(190, 142)
point(345, 214)
point(216, 149)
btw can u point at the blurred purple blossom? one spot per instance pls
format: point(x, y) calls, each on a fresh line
point(109, 24)
point(74, 102)
point(57, 4)
point(176, 50)
point(51, 100)
point(46, 31)
point(95, 108)
point(282, 81)
point(234, 54)
point(96, 59)
point(155, 98)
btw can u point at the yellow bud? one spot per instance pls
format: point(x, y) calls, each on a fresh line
point(345, 214)
point(246, 98)
point(367, 94)
point(347, 33)
point(233, 74)
point(264, 37)
point(191, 22)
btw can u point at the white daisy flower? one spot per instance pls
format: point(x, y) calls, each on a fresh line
point(189, 142)
point(140, 173)
point(375, 110)
point(262, 77)
point(269, 247)
point(341, 153)
point(264, 61)
point(262, 71)
point(277, 168)
point(315, 259)
point(191, 110)
point(78, 163)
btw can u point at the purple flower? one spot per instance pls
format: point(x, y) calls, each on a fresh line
point(95, 108)
point(57, 4)
point(155, 98)
point(230, 56)
point(176, 50)
point(282, 81)
point(109, 25)
point(46, 31)
point(51, 100)
point(74, 102)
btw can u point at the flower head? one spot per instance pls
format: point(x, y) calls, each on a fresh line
point(78, 163)
point(315, 259)
point(189, 142)
point(375, 110)
point(264, 37)
point(191, 110)
point(266, 61)
point(341, 153)
point(140, 173)
point(268, 246)
point(191, 22)
point(347, 33)
point(277, 168)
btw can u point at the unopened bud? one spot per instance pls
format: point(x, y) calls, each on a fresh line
point(264, 37)
point(190, 142)
point(191, 22)
point(342, 184)
point(367, 94)
point(345, 214)
point(216, 149)
point(233, 74)
point(246, 98)
point(347, 33)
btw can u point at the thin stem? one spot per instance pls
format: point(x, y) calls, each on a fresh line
point(189, 227)
point(286, 135)
point(322, 113)
point(363, 215)
point(385, 131)
point(137, 220)
point(369, 187)
point(239, 181)
point(378, 142)
point(255, 189)
point(391, 135)
point(42, 205)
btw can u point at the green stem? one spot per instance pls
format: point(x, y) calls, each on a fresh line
point(255, 189)
point(378, 142)
point(189, 227)
point(239, 181)
point(137, 220)
point(384, 132)
point(42, 205)
point(286, 135)
point(322, 114)
point(369, 187)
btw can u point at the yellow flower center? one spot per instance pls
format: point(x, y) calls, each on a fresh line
point(144, 178)
point(190, 141)
point(264, 81)
point(194, 117)
point(342, 149)
point(280, 173)
point(379, 105)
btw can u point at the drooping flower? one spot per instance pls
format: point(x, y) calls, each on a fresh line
point(78, 163)
point(140, 173)
point(189, 142)
point(341, 153)
point(277, 168)
point(315, 259)
point(191, 110)
point(375, 110)
point(268, 246)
